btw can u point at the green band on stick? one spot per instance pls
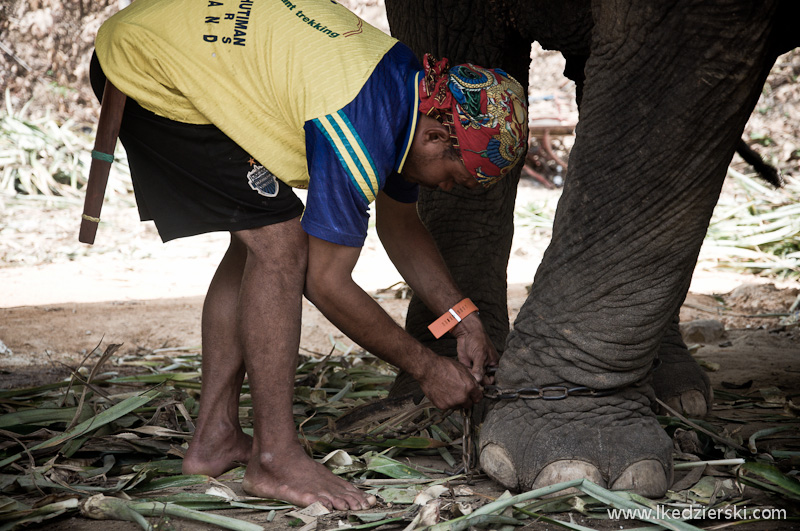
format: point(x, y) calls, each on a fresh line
point(99, 155)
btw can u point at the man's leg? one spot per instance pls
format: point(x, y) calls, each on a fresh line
point(268, 318)
point(219, 443)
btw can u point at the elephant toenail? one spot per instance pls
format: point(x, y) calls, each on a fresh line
point(568, 470)
point(497, 464)
point(646, 478)
point(693, 404)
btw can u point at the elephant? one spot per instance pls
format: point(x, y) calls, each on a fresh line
point(664, 92)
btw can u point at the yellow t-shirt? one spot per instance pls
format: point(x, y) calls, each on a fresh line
point(257, 69)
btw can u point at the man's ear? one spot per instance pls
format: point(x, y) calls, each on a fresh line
point(434, 132)
point(437, 134)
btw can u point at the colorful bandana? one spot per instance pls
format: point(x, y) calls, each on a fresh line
point(491, 129)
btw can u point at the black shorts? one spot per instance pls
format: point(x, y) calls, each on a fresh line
point(191, 179)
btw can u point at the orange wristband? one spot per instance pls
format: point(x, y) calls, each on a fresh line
point(451, 318)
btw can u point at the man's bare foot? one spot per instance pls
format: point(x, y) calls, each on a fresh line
point(295, 478)
point(214, 452)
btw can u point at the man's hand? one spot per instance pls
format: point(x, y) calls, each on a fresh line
point(475, 350)
point(449, 385)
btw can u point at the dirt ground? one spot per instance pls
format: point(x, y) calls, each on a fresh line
point(44, 342)
point(47, 341)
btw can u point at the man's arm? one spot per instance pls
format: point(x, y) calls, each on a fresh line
point(413, 251)
point(330, 286)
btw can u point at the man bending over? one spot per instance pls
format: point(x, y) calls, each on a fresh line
point(233, 103)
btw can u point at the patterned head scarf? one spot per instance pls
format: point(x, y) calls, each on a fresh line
point(484, 110)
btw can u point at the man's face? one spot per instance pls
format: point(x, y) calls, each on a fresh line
point(441, 173)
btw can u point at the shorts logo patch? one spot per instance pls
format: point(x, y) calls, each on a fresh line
point(263, 181)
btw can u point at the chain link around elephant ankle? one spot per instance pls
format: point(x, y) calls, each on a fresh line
point(492, 392)
point(467, 442)
point(557, 392)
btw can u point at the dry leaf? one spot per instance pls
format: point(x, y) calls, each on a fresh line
point(431, 493)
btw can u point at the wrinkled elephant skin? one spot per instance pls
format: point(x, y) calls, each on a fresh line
point(665, 90)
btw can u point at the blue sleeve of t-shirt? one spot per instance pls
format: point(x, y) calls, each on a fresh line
point(343, 181)
point(352, 154)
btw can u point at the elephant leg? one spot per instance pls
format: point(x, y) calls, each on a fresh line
point(473, 229)
point(679, 381)
point(668, 90)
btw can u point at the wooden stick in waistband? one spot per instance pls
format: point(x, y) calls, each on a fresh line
point(102, 157)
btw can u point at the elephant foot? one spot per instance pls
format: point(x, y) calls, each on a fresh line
point(645, 477)
point(613, 441)
point(682, 384)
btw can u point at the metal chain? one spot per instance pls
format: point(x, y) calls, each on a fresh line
point(467, 442)
point(492, 392)
point(558, 392)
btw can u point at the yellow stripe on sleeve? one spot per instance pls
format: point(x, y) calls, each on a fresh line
point(350, 164)
point(359, 151)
